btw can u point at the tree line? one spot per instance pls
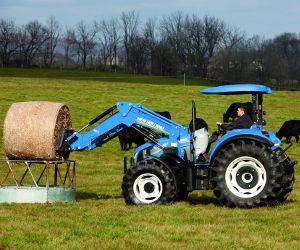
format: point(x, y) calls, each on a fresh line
point(203, 47)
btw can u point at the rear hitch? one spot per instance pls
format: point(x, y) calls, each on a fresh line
point(125, 164)
point(284, 150)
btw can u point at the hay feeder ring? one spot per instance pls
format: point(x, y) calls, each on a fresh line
point(37, 181)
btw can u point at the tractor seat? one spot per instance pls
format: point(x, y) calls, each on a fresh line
point(214, 136)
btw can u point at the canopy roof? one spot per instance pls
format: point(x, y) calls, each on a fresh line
point(237, 89)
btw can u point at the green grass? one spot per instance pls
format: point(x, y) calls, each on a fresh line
point(100, 219)
point(98, 76)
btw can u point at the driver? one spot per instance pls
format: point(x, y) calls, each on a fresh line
point(243, 121)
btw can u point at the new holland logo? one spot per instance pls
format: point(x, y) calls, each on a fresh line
point(150, 124)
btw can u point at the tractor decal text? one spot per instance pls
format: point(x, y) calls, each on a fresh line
point(151, 124)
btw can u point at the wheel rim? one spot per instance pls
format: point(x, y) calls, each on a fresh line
point(246, 177)
point(147, 188)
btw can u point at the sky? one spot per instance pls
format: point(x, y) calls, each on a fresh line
point(267, 18)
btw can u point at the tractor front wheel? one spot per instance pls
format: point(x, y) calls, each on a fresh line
point(149, 182)
point(247, 174)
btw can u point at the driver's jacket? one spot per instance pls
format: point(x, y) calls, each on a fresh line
point(243, 121)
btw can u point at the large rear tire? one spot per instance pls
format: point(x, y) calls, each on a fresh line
point(150, 182)
point(247, 174)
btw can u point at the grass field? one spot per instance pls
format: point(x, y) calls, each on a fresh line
point(100, 219)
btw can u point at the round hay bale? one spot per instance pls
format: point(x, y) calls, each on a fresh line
point(31, 130)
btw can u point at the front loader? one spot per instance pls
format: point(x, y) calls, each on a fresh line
point(245, 167)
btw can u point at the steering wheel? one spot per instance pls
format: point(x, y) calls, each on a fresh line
point(221, 130)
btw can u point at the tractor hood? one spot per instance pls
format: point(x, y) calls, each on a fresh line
point(237, 89)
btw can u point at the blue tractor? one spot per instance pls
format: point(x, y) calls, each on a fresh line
point(245, 167)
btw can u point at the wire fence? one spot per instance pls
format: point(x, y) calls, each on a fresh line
point(290, 85)
point(284, 85)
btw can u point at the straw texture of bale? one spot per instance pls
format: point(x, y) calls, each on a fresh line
point(31, 130)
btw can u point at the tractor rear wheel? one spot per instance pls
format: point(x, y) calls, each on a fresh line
point(247, 174)
point(150, 182)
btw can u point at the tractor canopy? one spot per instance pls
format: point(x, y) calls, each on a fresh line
point(237, 89)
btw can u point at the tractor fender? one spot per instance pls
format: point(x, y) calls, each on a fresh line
point(252, 137)
point(167, 165)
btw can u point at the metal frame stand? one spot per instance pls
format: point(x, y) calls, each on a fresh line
point(15, 190)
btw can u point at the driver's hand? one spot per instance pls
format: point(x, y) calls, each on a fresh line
point(219, 123)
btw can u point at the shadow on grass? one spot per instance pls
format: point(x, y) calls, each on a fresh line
point(95, 196)
point(195, 199)
point(100, 76)
point(291, 201)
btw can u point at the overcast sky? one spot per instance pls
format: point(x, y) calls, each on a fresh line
point(267, 18)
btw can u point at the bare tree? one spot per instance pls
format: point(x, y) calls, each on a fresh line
point(34, 35)
point(232, 36)
point(195, 44)
point(199, 46)
point(141, 48)
point(241, 62)
point(85, 41)
point(214, 30)
point(277, 58)
point(9, 41)
point(48, 48)
point(193, 40)
point(150, 38)
point(164, 59)
point(173, 31)
point(115, 39)
point(130, 23)
point(104, 46)
point(109, 38)
point(68, 44)
point(288, 45)
point(139, 55)
point(224, 64)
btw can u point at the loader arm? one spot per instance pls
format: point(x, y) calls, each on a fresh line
point(119, 117)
